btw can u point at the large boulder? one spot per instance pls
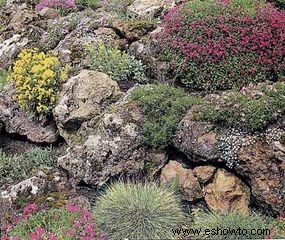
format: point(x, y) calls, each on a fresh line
point(174, 174)
point(196, 139)
point(149, 8)
point(114, 147)
point(17, 121)
point(227, 193)
point(82, 98)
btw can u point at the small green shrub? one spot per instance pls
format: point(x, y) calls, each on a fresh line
point(253, 108)
point(163, 107)
point(2, 3)
point(218, 222)
point(138, 211)
point(118, 7)
point(119, 65)
point(88, 3)
point(19, 167)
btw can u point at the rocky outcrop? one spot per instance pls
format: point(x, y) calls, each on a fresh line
point(17, 121)
point(114, 147)
point(257, 157)
point(174, 174)
point(82, 98)
point(197, 140)
point(227, 193)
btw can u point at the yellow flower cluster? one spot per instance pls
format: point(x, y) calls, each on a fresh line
point(37, 76)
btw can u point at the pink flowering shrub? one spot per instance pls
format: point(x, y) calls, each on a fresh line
point(221, 44)
point(65, 4)
point(68, 223)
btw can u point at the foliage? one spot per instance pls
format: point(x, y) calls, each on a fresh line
point(253, 107)
point(2, 2)
point(119, 7)
point(88, 3)
point(280, 4)
point(3, 78)
point(277, 227)
point(18, 167)
point(224, 44)
point(67, 223)
point(163, 107)
point(58, 4)
point(119, 65)
point(234, 220)
point(138, 211)
point(37, 76)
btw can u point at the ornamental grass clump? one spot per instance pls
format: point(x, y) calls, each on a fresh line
point(37, 76)
point(138, 211)
point(66, 223)
point(218, 45)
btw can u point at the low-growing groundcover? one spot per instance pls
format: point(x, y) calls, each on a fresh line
point(163, 107)
point(138, 211)
point(254, 107)
point(18, 167)
point(66, 223)
point(224, 44)
point(262, 227)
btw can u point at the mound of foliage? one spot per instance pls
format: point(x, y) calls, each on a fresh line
point(3, 78)
point(224, 44)
point(37, 76)
point(119, 65)
point(163, 108)
point(138, 211)
point(67, 223)
point(253, 107)
point(19, 167)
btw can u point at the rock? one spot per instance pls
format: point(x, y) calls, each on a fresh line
point(18, 122)
point(174, 173)
point(204, 173)
point(227, 193)
point(82, 98)
point(48, 13)
point(145, 8)
point(11, 47)
point(114, 147)
point(196, 139)
point(264, 174)
point(24, 16)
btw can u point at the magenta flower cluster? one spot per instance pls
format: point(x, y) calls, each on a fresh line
point(220, 51)
point(83, 226)
point(55, 4)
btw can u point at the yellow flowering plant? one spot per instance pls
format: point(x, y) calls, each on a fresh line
point(37, 76)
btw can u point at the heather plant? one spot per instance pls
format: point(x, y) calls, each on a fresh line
point(19, 167)
point(138, 211)
point(235, 221)
point(37, 76)
point(224, 44)
point(60, 5)
point(252, 108)
point(163, 108)
point(119, 65)
point(66, 223)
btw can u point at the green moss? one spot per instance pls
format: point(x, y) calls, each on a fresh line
point(254, 110)
point(163, 107)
